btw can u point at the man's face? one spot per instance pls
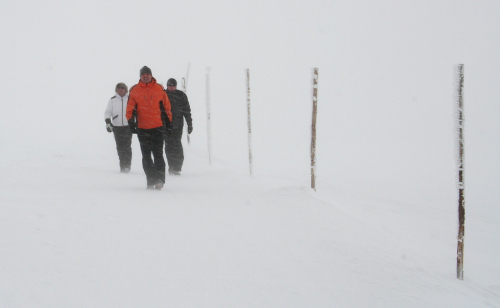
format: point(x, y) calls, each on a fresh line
point(171, 88)
point(121, 91)
point(146, 78)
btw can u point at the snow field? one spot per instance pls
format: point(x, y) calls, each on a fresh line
point(86, 235)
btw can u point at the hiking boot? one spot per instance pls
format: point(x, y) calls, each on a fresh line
point(124, 170)
point(150, 187)
point(159, 185)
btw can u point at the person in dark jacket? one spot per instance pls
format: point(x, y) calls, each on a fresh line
point(180, 111)
point(148, 115)
point(117, 123)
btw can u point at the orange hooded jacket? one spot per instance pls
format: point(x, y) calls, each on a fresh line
point(147, 97)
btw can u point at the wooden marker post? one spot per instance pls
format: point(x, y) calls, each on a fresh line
point(461, 197)
point(249, 123)
point(209, 130)
point(313, 128)
point(187, 77)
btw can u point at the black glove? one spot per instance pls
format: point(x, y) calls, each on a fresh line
point(109, 125)
point(190, 129)
point(132, 126)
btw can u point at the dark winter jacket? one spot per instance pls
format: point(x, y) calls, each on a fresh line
point(180, 109)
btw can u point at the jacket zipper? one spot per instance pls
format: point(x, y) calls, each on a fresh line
point(122, 112)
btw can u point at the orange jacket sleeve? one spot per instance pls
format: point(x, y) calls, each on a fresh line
point(130, 107)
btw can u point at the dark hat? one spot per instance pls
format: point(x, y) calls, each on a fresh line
point(145, 70)
point(121, 85)
point(172, 82)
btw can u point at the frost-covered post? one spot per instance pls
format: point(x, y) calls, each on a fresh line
point(184, 88)
point(209, 130)
point(461, 198)
point(187, 77)
point(249, 123)
point(313, 127)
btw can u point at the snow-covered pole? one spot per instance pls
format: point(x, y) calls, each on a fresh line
point(461, 197)
point(313, 127)
point(187, 77)
point(209, 130)
point(249, 121)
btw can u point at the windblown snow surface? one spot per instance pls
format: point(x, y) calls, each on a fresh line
point(77, 233)
point(379, 231)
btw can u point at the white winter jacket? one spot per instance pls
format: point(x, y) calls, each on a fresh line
point(116, 110)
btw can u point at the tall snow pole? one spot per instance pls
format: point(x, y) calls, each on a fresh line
point(249, 121)
point(209, 130)
point(461, 198)
point(184, 88)
point(187, 77)
point(313, 127)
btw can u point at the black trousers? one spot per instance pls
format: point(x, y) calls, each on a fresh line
point(151, 141)
point(174, 150)
point(123, 138)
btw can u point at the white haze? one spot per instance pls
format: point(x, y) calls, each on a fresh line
point(386, 121)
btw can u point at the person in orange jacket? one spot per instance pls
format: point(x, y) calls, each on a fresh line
point(149, 116)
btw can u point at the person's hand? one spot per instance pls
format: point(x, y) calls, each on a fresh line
point(190, 129)
point(132, 126)
point(109, 126)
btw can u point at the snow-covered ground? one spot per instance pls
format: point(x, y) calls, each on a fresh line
point(80, 234)
point(77, 233)
point(380, 231)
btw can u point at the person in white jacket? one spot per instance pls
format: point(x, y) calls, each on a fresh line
point(116, 122)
